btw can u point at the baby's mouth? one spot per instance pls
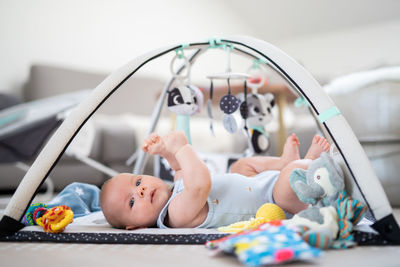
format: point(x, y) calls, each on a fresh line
point(152, 193)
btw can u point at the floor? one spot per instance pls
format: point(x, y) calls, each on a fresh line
point(59, 254)
point(37, 254)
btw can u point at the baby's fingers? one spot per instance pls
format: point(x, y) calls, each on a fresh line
point(150, 138)
point(145, 148)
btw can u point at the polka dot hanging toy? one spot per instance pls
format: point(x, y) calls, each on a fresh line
point(228, 103)
point(53, 220)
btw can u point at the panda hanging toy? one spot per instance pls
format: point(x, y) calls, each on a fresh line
point(256, 111)
point(184, 101)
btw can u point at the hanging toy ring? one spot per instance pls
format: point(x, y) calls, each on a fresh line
point(186, 65)
point(257, 79)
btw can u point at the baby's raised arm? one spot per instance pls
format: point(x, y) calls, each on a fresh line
point(187, 208)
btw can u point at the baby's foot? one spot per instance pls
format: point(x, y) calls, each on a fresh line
point(318, 145)
point(291, 149)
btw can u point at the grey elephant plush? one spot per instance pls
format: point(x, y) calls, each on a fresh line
point(320, 186)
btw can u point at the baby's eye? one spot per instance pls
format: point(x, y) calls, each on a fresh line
point(138, 182)
point(131, 202)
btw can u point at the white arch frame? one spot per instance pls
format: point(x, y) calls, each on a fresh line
point(345, 140)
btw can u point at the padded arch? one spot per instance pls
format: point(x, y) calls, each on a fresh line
point(362, 175)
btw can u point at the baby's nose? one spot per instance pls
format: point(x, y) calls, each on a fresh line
point(140, 191)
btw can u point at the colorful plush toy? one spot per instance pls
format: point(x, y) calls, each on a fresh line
point(266, 213)
point(52, 220)
point(269, 244)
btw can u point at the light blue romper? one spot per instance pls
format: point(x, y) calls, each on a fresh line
point(233, 197)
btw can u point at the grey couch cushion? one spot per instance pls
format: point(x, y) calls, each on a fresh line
point(137, 95)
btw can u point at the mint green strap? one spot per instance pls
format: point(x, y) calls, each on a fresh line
point(329, 113)
point(300, 101)
point(183, 124)
point(215, 42)
point(179, 52)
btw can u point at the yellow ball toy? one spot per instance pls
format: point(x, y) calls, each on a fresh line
point(271, 212)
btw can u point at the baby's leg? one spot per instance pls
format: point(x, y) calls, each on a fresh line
point(254, 165)
point(283, 193)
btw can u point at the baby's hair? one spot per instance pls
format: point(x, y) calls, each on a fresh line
point(111, 219)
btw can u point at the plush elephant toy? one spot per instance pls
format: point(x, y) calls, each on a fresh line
point(332, 213)
point(321, 184)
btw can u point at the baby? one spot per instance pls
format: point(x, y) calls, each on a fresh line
point(198, 200)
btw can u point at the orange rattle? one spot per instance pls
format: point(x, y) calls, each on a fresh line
point(56, 219)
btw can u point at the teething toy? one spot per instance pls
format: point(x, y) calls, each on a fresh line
point(52, 220)
point(28, 219)
point(56, 219)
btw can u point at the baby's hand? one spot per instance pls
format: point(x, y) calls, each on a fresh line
point(174, 141)
point(154, 145)
point(166, 146)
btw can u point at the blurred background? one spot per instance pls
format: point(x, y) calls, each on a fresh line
point(329, 38)
point(49, 48)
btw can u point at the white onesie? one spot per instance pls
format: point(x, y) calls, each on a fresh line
point(233, 197)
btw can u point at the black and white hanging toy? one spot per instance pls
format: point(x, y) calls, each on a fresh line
point(256, 111)
point(184, 99)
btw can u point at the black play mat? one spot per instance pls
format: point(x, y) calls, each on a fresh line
point(111, 238)
point(362, 238)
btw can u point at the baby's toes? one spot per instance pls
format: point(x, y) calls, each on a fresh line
point(316, 139)
point(327, 146)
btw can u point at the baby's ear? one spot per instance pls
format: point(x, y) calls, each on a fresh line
point(132, 227)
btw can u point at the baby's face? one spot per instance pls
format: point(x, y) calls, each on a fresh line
point(137, 199)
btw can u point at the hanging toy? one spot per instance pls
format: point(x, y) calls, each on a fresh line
point(229, 103)
point(257, 114)
point(53, 220)
point(184, 99)
point(256, 110)
point(209, 108)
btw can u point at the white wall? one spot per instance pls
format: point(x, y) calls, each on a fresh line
point(337, 53)
point(99, 35)
point(102, 35)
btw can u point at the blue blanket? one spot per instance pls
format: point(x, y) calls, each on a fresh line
point(82, 198)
